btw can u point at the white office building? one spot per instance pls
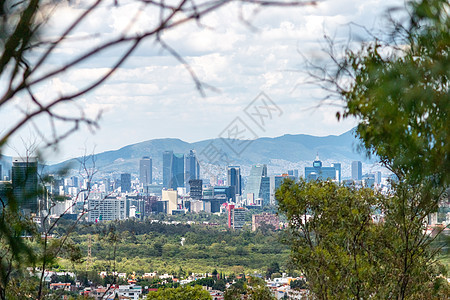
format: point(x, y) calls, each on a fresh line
point(103, 208)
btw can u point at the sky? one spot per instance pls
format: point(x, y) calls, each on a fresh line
point(249, 56)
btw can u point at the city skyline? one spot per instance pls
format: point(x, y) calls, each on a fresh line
point(287, 149)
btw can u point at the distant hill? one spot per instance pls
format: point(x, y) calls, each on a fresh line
point(280, 153)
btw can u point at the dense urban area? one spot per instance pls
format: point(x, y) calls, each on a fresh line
point(255, 213)
point(131, 235)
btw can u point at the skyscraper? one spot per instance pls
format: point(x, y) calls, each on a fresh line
point(265, 190)
point(275, 183)
point(378, 177)
point(125, 182)
point(234, 179)
point(356, 170)
point(102, 208)
point(145, 170)
point(293, 173)
point(338, 167)
point(196, 188)
point(257, 186)
point(369, 180)
point(167, 168)
point(177, 171)
point(25, 183)
point(173, 170)
point(236, 217)
point(75, 182)
point(191, 169)
point(317, 171)
point(171, 197)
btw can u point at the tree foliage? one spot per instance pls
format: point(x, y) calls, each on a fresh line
point(180, 293)
point(399, 92)
point(156, 247)
point(257, 289)
point(344, 254)
point(15, 251)
point(397, 87)
point(254, 288)
point(298, 284)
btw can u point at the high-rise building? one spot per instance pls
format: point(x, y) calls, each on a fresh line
point(75, 182)
point(102, 208)
point(173, 170)
point(25, 183)
point(337, 167)
point(196, 188)
point(236, 217)
point(293, 173)
point(356, 170)
point(5, 192)
point(318, 172)
point(234, 179)
point(171, 198)
point(378, 177)
point(275, 183)
point(369, 180)
point(167, 168)
point(256, 185)
point(145, 170)
point(191, 169)
point(224, 192)
point(265, 190)
point(1, 173)
point(125, 182)
point(177, 171)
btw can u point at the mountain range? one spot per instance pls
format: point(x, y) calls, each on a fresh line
point(279, 153)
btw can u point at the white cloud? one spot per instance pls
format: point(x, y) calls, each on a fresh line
point(152, 95)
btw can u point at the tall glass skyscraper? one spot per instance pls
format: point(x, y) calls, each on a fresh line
point(234, 179)
point(125, 182)
point(191, 168)
point(265, 190)
point(25, 183)
point(167, 168)
point(177, 171)
point(173, 170)
point(356, 170)
point(145, 170)
point(256, 185)
point(275, 183)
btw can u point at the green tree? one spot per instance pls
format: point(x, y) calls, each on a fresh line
point(330, 233)
point(298, 284)
point(400, 94)
point(398, 90)
point(345, 255)
point(220, 285)
point(273, 268)
point(236, 290)
point(257, 289)
point(16, 253)
point(254, 289)
point(180, 293)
